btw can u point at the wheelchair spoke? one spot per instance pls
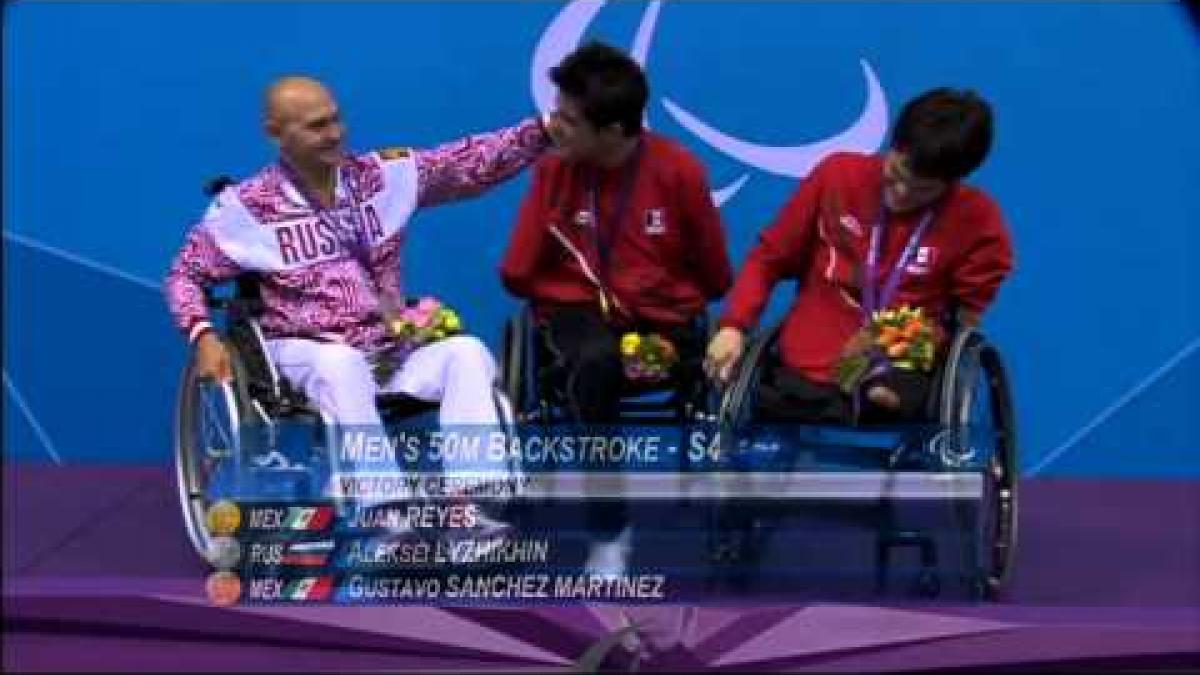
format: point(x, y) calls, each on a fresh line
point(210, 407)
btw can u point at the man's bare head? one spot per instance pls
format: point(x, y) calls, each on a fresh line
point(303, 118)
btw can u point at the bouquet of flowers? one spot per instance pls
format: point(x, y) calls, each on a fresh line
point(901, 337)
point(647, 358)
point(424, 321)
point(419, 323)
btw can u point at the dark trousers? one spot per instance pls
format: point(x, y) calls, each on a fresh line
point(585, 351)
point(787, 396)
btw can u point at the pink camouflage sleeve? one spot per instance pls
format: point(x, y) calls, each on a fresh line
point(200, 263)
point(469, 166)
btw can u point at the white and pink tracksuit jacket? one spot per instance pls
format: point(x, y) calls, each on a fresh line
point(312, 287)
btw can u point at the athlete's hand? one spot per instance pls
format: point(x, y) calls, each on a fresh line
point(858, 343)
point(212, 358)
point(554, 129)
point(724, 351)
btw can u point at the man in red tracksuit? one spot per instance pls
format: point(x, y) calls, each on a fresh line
point(617, 233)
point(939, 243)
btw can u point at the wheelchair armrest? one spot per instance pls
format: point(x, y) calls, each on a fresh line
point(245, 300)
point(213, 302)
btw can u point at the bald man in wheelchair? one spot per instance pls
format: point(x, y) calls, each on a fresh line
point(323, 230)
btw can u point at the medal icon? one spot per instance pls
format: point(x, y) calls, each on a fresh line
point(223, 552)
point(223, 588)
point(223, 518)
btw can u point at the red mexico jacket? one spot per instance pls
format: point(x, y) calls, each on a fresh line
point(659, 261)
point(822, 237)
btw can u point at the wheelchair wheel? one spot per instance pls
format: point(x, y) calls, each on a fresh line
point(209, 419)
point(977, 404)
point(513, 465)
point(736, 538)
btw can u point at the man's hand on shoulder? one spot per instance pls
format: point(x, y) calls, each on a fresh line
point(554, 130)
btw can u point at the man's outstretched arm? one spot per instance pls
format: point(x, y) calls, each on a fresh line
point(782, 251)
point(469, 166)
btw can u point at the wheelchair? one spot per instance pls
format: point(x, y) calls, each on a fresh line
point(226, 429)
point(969, 401)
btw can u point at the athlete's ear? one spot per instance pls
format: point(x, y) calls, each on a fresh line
point(272, 126)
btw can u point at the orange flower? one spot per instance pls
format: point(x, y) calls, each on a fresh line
point(888, 335)
point(898, 349)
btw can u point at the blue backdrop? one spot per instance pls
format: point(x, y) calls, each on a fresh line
point(115, 113)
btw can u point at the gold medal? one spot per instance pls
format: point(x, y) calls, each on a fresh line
point(223, 518)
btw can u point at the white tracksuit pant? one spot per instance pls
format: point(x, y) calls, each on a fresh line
point(337, 378)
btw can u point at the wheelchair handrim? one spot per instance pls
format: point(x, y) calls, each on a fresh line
point(192, 495)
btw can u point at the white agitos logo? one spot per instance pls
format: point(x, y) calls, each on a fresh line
point(866, 134)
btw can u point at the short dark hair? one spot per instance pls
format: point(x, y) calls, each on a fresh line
point(945, 133)
point(609, 85)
